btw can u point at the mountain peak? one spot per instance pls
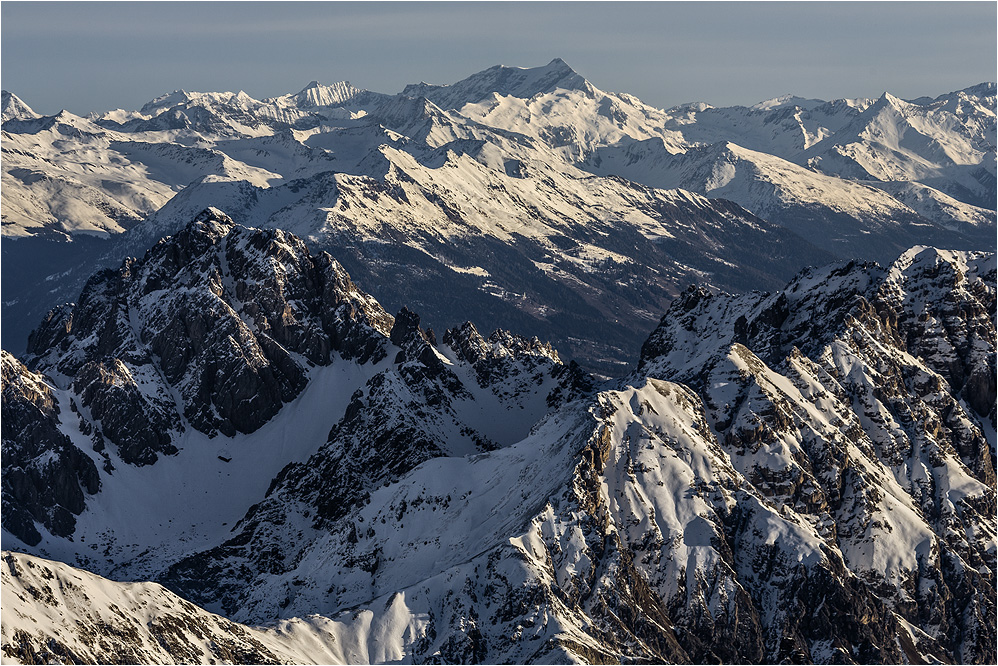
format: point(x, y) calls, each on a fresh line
point(165, 101)
point(505, 81)
point(784, 101)
point(318, 94)
point(212, 214)
point(887, 99)
point(984, 89)
point(13, 107)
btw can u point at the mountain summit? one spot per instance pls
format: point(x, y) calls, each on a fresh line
point(545, 205)
point(13, 108)
point(505, 81)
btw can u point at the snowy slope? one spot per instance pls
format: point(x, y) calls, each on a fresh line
point(14, 108)
point(56, 612)
point(948, 144)
point(501, 163)
point(242, 333)
point(837, 451)
point(944, 143)
point(802, 475)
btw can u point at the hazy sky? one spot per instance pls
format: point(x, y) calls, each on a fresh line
point(97, 56)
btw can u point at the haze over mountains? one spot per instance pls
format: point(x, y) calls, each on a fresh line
point(508, 370)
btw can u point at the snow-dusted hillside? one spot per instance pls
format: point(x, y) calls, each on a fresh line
point(220, 445)
point(57, 613)
point(804, 475)
point(487, 185)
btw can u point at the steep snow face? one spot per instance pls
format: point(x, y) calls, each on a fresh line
point(670, 521)
point(13, 108)
point(930, 203)
point(947, 144)
point(847, 217)
point(871, 427)
point(767, 185)
point(316, 94)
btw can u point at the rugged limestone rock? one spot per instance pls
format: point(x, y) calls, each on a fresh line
point(45, 477)
point(858, 427)
point(205, 330)
point(800, 476)
point(416, 410)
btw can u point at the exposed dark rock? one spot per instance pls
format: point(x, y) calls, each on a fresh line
point(46, 478)
point(140, 430)
point(215, 315)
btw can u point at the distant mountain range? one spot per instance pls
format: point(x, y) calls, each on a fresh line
point(525, 199)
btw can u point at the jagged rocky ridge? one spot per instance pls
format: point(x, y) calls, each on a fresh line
point(133, 623)
point(805, 475)
point(45, 478)
point(213, 333)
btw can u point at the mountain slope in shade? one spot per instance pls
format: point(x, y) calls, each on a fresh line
point(802, 475)
point(227, 353)
point(544, 251)
point(819, 441)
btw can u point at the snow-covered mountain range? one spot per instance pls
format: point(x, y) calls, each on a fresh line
point(544, 204)
point(293, 474)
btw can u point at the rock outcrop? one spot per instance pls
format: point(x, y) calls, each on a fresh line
point(46, 478)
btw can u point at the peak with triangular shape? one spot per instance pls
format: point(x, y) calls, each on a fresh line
point(317, 94)
point(888, 100)
point(504, 81)
point(14, 108)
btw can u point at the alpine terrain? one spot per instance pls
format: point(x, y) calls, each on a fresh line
point(512, 370)
point(535, 197)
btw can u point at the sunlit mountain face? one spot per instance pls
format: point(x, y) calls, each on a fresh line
point(512, 370)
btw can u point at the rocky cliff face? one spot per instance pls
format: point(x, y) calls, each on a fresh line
point(215, 330)
point(46, 478)
point(852, 421)
point(804, 476)
point(212, 329)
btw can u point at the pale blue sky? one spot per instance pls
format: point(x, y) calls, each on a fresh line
point(97, 56)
